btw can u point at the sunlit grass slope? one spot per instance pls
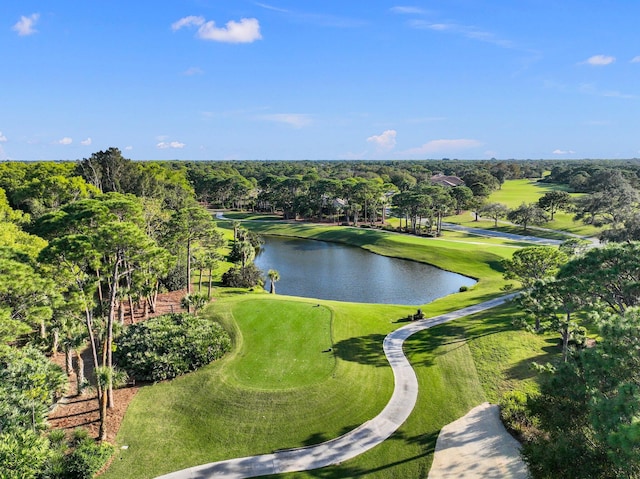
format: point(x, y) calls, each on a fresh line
point(216, 414)
point(516, 192)
point(207, 415)
point(281, 387)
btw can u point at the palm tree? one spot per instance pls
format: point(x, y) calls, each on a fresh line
point(274, 276)
point(107, 376)
point(246, 252)
point(194, 301)
point(236, 226)
point(210, 262)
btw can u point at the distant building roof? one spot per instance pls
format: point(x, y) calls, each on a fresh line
point(444, 180)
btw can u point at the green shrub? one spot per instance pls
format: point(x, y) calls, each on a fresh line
point(463, 289)
point(29, 384)
point(516, 416)
point(87, 458)
point(23, 453)
point(169, 345)
point(236, 277)
point(176, 278)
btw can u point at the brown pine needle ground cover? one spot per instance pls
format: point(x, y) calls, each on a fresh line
point(74, 410)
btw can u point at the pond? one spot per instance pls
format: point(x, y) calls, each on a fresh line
point(318, 269)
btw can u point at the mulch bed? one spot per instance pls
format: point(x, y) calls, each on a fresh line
point(74, 410)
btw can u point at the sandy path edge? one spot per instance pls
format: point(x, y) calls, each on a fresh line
point(477, 446)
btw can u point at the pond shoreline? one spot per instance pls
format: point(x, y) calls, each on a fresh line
point(343, 272)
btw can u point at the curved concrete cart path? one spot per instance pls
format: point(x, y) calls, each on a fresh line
point(355, 442)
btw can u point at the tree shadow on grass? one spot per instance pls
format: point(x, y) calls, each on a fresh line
point(364, 350)
point(425, 347)
point(496, 265)
point(524, 369)
point(320, 437)
point(425, 344)
point(425, 442)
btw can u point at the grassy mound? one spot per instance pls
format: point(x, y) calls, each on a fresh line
point(278, 389)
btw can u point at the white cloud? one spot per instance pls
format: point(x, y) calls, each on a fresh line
point(600, 60)
point(26, 25)
point(128, 148)
point(187, 22)
point(247, 30)
point(65, 141)
point(444, 146)
point(86, 142)
point(323, 20)
point(3, 138)
point(408, 10)
point(271, 7)
point(591, 89)
point(563, 152)
point(464, 30)
point(192, 71)
point(635, 59)
point(296, 120)
point(386, 141)
point(163, 145)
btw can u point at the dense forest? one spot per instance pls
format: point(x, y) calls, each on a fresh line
point(82, 242)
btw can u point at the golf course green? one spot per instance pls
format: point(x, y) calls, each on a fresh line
point(304, 370)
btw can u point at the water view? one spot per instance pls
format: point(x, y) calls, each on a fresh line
point(318, 269)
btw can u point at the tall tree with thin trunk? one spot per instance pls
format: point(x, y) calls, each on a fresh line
point(534, 263)
point(189, 225)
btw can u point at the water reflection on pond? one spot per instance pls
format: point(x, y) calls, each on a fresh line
point(318, 269)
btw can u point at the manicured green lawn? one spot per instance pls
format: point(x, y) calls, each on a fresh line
point(209, 415)
point(516, 192)
point(291, 336)
point(564, 222)
point(237, 215)
point(281, 388)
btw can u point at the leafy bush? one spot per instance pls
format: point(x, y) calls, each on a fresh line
point(29, 384)
point(23, 453)
point(248, 277)
point(170, 345)
point(195, 301)
point(87, 458)
point(516, 416)
point(176, 278)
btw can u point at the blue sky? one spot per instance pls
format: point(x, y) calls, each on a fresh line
point(349, 79)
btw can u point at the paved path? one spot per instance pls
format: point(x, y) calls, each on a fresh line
point(500, 234)
point(477, 446)
point(359, 440)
